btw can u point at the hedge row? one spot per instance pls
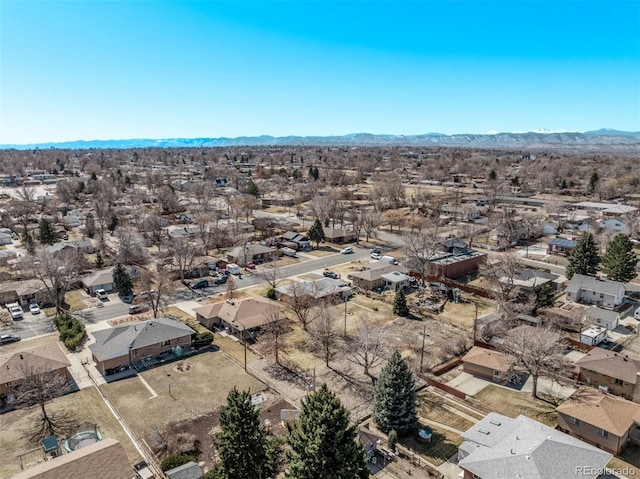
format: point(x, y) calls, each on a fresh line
point(71, 330)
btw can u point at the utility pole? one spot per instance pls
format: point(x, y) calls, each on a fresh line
point(475, 323)
point(345, 316)
point(424, 334)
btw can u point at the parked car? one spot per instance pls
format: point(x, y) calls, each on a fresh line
point(389, 259)
point(9, 338)
point(128, 298)
point(34, 308)
point(636, 314)
point(347, 250)
point(250, 265)
point(221, 279)
point(375, 256)
point(138, 308)
point(234, 269)
point(331, 274)
point(15, 310)
point(289, 252)
point(203, 283)
point(101, 294)
point(376, 251)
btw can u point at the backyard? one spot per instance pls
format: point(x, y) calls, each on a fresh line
point(513, 403)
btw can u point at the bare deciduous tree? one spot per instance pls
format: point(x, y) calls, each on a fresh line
point(501, 276)
point(57, 273)
point(324, 332)
point(131, 247)
point(5, 318)
point(537, 351)
point(300, 300)
point(366, 348)
point(180, 253)
point(421, 247)
point(158, 289)
point(275, 326)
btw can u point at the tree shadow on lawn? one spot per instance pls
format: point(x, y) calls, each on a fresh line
point(440, 449)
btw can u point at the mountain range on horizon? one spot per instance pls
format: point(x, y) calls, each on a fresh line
point(601, 139)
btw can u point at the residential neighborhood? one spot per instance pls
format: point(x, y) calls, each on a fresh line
point(149, 292)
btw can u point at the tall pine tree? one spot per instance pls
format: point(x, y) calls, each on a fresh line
point(323, 442)
point(122, 280)
point(316, 233)
point(48, 235)
point(394, 405)
point(244, 446)
point(619, 261)
point(400, 304)
point(584, 258)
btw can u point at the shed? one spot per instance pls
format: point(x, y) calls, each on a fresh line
point(593, 335)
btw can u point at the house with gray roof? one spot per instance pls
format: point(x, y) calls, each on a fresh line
point(602, 317)
point(371, 277)
point(81, 246)
point(318, 289)
point(614, 372)
point(190, 470)
point(250, 253)
point(133, 344)
point(590, 290)
point(395, 281)
point(527, 449)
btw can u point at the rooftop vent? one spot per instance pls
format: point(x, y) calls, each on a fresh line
point(483, 431)
point(495, 422)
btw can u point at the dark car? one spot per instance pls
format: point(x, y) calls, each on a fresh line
point(331, 274)
point(376, 251)
point(128, 298)
point(9, 338)
point(203, 283)
point(220, 279)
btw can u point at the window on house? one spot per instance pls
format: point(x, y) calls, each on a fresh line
point(602, 432)
point(574, 421)
point(617, 381)
point(601, 295)
point(166, 343)
point(9, 384)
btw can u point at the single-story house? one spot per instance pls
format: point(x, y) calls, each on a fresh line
point(241, 317)
point(251, 253)
point(395, 281)
point(190, 232)
point(593, 335)
point(339, 236)
point(590, 290)
point(128, 345)
point(81, 246)
point(105, 458)
point(5, 238)
point(602, 317)
point(530, 279)
point(602, 420)
point(23, 292)
point(300, 241)
point(103, 279)
point(319, 289)
point(616, 372)
point(523, 447)
point(371, 277)
point(487, 363)
point(14, 367)
point(561, 246)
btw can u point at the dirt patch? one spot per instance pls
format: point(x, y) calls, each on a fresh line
point(182, 367)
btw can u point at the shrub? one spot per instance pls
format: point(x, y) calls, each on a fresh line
point(72, 331)
point(176, 460)
point(271, 294)
point(203, 339)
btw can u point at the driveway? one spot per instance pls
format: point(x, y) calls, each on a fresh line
point(468, 384)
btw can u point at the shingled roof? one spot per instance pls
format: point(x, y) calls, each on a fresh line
point(46, 358)
point(117, 342)
point(611, 364)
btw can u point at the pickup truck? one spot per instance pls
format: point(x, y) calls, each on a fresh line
point(15, 310)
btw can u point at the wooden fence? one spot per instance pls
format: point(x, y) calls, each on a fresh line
point(448, 389)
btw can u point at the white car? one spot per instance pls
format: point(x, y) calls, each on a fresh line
point(101, 294)
point(34, 308)
point(636, 314)
point(375, 256)
point(348, 250)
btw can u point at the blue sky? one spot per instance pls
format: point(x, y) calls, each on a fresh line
point(84, 70)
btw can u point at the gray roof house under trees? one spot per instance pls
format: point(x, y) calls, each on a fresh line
point(525, 448)
point(590, 290)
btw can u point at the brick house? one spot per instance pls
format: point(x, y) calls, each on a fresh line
point(125, 346)
point(602, 420)
point(487, 363)
point(615, 371)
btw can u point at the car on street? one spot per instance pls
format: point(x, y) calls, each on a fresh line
point(9, 338)
point(203, 283)
point(250, 266)
point(128, 298)
point(34, 308)
point(376, 251)
point(138, 308)
point(347, 250)
point(375, 256)
point(221, 279)
point(636, 314)
point(234, 269)
point(331, 274)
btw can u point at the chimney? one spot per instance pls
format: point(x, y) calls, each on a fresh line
point(21, 357)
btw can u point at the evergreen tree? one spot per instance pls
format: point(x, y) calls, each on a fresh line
point(316, 233)
point(122, 280)
point(252, 189)
point(99, 260)
point(394, 403)
point(113, 223)
point(48, 234)
point(584, 258)
point(323, 442)
point(316, 174)
point(593, 181)
point(492, 175)
point(400, 304)
point(244, 446)
point(29, 244)
point(619, 262)
point(544, 296)
point(89, 226)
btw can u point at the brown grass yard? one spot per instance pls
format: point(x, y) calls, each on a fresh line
point(432, 407)
point(32, 343)
point(75, 301)
point(513, 403)
point(463, 314)
point(443, 445)
point(86, 404)
point(181, 395)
